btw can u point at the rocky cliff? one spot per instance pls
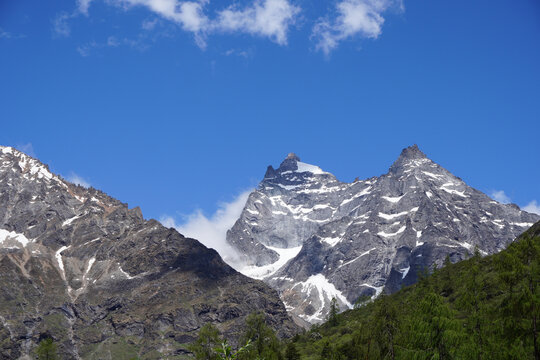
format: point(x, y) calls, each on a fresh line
point(313, 237)
point(79, 266)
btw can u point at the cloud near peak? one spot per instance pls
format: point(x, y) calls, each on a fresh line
point(212, 230)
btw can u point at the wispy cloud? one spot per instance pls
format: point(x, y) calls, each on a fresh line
point(27, 148)
point(271, 19)
point(266, 18)
point(149, 24)
point(61, 23)
point(212, 231)
point(354, 18)
point(83, 5)
point(532, 207)
point(61, 26)
point(140, 43)
point(78, 180)
point(7, 35)
point(241, 53)
point(500, 196)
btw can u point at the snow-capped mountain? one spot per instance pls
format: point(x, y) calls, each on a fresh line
point(313, 237)
point(83, 268)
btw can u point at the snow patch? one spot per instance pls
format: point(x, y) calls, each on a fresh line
point(332, 241)
point(261, 272)
point(303, 167)
point(378, 289)
point(404, 272)
point(326, 291)
point(451, 191)
point(356, 258)
point(12, 235)
point(58, 256)
point(392, 199)
point(523, 224)
point(432, 175)
point(70, 220)
point(393, 216)
point(124, 273)
point(383, 234)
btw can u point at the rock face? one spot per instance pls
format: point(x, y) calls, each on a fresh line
point(78, 265)
point(313, 237)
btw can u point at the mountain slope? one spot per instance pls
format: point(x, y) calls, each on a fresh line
point(480, 308)
point(313, 237)
point(78, 265)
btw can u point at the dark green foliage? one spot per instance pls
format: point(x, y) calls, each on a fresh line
point(204, 348)
point(46, 350)
point(264, 343)
point(333, 313)
point(481, 308)
point(225, 351)
point(291, 353)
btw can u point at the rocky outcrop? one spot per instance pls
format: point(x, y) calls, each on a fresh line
point(313, 237)
point(105, 283)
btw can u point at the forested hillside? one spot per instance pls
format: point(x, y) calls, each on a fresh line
point(481, 308)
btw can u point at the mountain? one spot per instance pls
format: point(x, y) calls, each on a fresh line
point(81, 267)
point(313, 237)
point(480, 308)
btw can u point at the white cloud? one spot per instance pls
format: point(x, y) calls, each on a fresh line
point(267, 18)
point(188, 14)
point(501, 197)
point(77, 180)
point(60, 24)
point(83, 5)
point(532, 207)
point(211, 231)
point(354, 18)
point(4, 34)
point(7, 35)
point(149, 24)
point(236, 52)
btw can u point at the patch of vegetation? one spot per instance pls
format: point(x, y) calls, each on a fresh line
point(481, 308)
point(46, 350)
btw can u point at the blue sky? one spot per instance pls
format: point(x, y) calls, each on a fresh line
point(177, 106)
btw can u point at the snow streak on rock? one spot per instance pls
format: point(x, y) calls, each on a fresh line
point(363, 237)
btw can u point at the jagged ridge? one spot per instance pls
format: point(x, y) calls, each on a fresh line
point(82, 267)
point(357, 239)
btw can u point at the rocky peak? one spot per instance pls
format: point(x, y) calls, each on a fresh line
point(411, 156)
point(412, 152)
point(80, 267)
point(313, 237)
point(290, 163)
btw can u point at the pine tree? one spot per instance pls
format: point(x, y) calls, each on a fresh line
point(291, 353)
point(264, 342)
point(46, 350)
point(333, 313)
point(385, 326)
point(204, 347)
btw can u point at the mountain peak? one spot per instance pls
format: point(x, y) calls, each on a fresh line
point(292, 156)
point(412, 152)
point(290, 163)
point(411, 155)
